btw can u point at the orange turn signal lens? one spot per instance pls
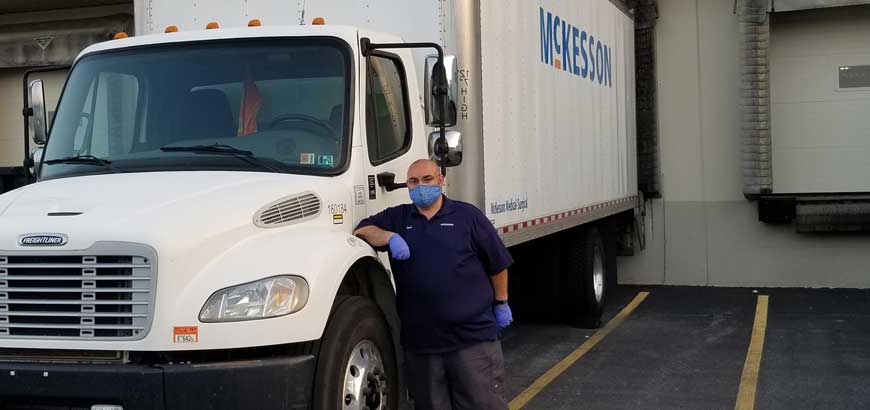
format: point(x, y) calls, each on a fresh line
point(171, 29)
point(254, 23)
point(119, 35)
point(212, 25)
point(318, 21)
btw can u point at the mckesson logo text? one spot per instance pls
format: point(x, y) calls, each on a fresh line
point(569, 48)
point(42, 240)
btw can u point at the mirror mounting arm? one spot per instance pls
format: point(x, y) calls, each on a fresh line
point(440, 89)
point(388, 181)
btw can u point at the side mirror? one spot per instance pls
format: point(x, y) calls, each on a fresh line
point(454, 147)
point(37, 121)
point(431, 106)
point(36, 160)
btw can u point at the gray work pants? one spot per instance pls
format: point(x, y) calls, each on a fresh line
point(468, 379)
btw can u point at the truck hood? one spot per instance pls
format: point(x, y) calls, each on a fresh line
point(198, 229)
point(160, 208)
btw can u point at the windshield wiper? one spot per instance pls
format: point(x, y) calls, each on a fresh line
point(83, 159)
point(223, 149)
point(79, 159)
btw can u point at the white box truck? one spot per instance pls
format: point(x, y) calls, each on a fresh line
point(189, 241)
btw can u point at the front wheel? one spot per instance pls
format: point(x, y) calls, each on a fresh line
point(356, 365)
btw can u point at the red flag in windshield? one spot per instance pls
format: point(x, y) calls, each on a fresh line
point(251, 102)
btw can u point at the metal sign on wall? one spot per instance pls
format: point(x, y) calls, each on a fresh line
point(56, 42)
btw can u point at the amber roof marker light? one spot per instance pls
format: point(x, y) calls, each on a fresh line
point(318, 21)
point(213, 25)
point(171, 29)
point(119, 35)
point(254, 23)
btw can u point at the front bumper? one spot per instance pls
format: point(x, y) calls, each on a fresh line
point(274, 383)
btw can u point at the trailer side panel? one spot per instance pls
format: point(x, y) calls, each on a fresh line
point(558, 114)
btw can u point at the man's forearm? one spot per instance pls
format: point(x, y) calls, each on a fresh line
point(500, 285)
point(373, 235)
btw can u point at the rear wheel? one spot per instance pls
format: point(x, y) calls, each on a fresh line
point(584, 278)
point(356, 366)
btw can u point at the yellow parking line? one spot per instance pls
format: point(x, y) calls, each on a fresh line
point(530, 392)
point(749, 379)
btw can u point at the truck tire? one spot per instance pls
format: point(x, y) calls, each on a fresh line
point(584, 278)
point(356, 365)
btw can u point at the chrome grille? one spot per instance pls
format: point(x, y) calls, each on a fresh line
point(287, 210)
point(91, 296)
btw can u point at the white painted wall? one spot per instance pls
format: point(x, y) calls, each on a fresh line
point(820, 134)
point(703, 231)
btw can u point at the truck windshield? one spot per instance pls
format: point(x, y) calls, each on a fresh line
point(265, 105)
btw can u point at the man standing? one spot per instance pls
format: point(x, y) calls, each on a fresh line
point(450, 269)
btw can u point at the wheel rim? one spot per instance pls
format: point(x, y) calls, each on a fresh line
point(598, 275)
point(365, 383)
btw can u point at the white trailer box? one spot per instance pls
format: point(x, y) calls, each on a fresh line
point(193, 221)
point(558, 113)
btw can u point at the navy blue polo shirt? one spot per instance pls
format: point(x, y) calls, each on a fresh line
point(444, 294)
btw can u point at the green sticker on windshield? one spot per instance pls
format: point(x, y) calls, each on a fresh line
point(325, 160)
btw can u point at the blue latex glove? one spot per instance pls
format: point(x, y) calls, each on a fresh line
point(503, 316)
point(399, 248)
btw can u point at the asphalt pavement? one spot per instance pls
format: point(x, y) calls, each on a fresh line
point(701, 348)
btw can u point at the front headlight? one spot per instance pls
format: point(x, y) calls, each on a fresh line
point(272, 297)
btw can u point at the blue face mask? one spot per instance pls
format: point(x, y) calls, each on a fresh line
point(425, 195)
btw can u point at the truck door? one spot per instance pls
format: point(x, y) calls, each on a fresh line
point(389, 127)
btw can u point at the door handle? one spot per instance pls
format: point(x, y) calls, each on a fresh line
point(388, 181)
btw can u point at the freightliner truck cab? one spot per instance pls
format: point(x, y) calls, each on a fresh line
point(189, 241)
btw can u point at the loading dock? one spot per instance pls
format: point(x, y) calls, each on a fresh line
point(689, 347)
